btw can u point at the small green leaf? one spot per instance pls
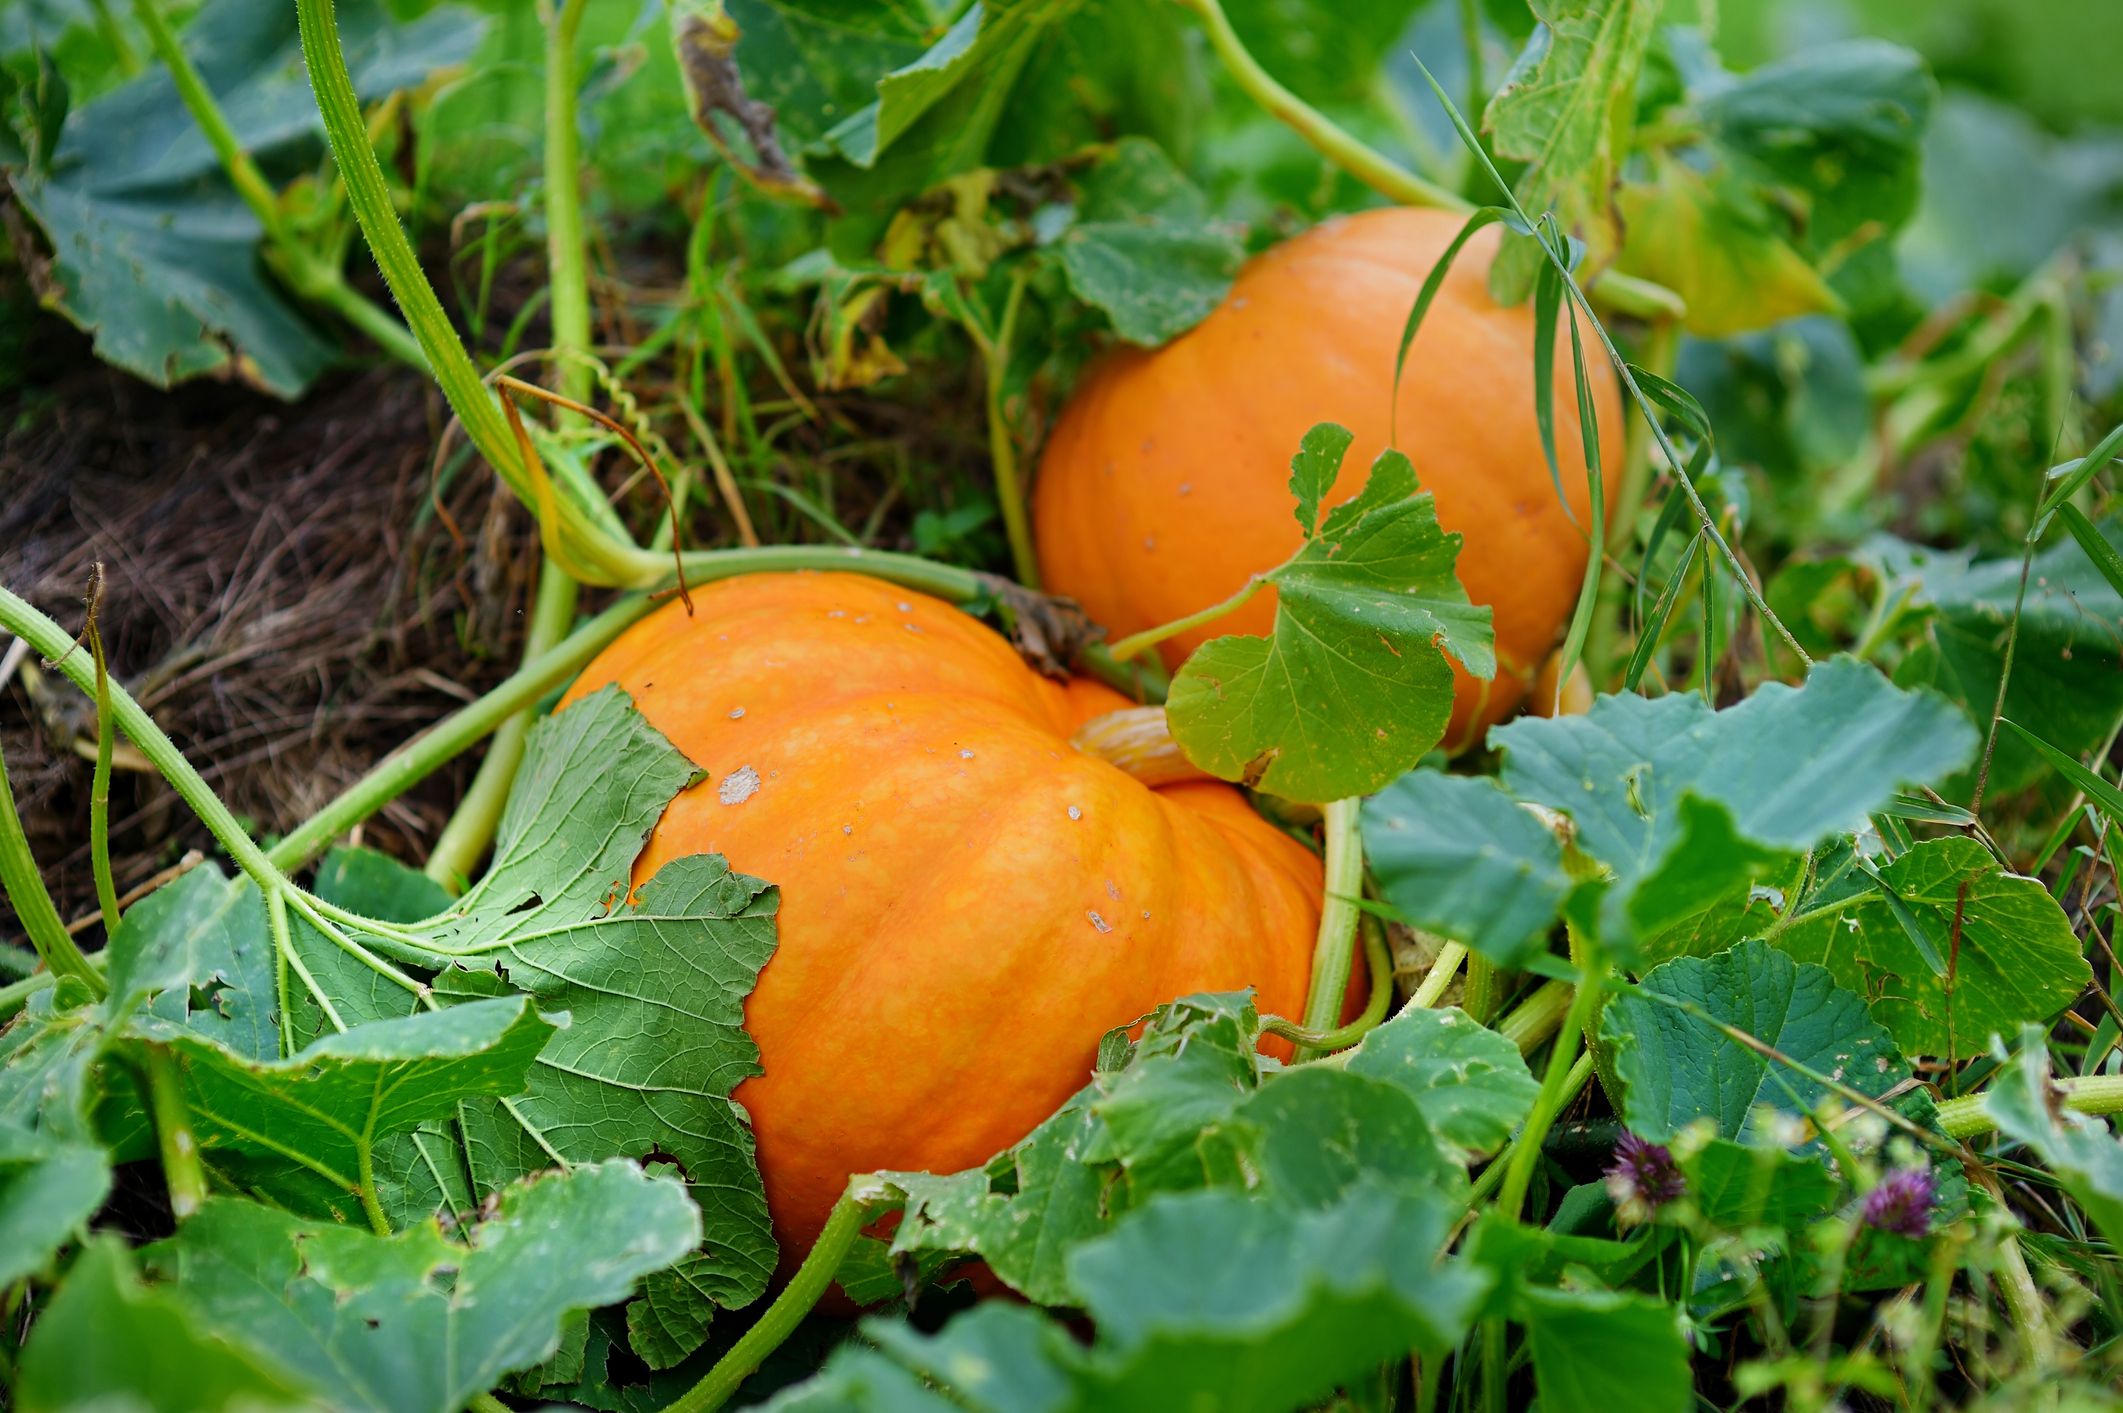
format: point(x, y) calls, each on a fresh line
point(1736, 1185)
point(2000, 951)
point(49, 1188)
point(1456, 855)
point(1353, 687)
point(1676, 1067)
point(107, 1341)
point(419, 1322)
point(1470, 1083)
point(1565, 109)
point(1143, 249)
point(1719, 250)
point(1595, 1351)
point(2085, 1156)
point(1314, 469)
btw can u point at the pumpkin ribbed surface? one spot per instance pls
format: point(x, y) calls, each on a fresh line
point(1165, 482)
point(968, 902)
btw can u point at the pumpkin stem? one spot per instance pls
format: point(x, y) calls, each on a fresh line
point(1138, 741)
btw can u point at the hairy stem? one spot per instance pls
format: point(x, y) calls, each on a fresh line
point(370, 198)
point(816, 1273)
point(472, 824)
point(2090, 1094)
point(1334, 953)
point(1136, 643)
point(1439, 976)
point(1537, 1017)
point(181, 1168)
point(1379, 963)
point(1002, 442)
point(24, 888)
point(1555, 1093)
point(99, 797)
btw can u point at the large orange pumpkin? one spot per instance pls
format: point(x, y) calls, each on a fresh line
point(968, 902)
point(1166, 480)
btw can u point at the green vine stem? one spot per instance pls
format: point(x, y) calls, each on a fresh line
point(1137, 643)
point(99, 796)
point(1439, 976)
point(307, 273)
point(24, 887)
point(182, 1170)
point(1555, 1092)
point(1489, 1178)
point(1539, 1016)
point(1002, 442)
point(1480, 997)
point(1334, 954)
point(1965, 1118)
point(370, 198)
point(796, 1300)
point(1625, 294)
point(472, 824)
point(1379, 963)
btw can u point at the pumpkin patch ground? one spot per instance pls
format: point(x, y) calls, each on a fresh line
point(1059, 706)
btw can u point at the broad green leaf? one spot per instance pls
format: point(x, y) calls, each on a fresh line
point(1675, 1067)
point(1737, 1185)
point(1470, 1083)
point(1143, 249)
point(1840, 124)
point(376, 885)
point(203, 945)
point(1354, 685)
point(152, 251)
point(1565, 109)
point(2065, 666)
point(1718, 249)
point(316, 1116)
point(49, 1079)
point(108, 1342)
point(1201, 1301)
point(49, 1188)
point(1212, 1300)
point(671, 1316)
point(654, 986)
point(421, 1321)
point(2005, 953)
point(1596, 1351)
point(1456, 855)
point(2085, 1155)
point(1687, 806)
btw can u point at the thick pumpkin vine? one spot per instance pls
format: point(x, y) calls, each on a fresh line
point(1779, 987)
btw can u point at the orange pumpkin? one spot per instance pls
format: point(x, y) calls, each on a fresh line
point(968, 902)
point(1166, 480)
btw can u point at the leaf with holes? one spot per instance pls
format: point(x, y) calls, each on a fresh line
point(1973, 950)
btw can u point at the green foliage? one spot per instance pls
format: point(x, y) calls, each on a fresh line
point(153, 251)
point(1143, 249)
point(425, 1319)
point(1354, 685)
point(2082, 1152)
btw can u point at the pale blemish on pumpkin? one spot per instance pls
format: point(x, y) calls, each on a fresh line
point(738, 786)
point(964, 754)
point(1098, 922)
point(737, 713)
point(1075, 813)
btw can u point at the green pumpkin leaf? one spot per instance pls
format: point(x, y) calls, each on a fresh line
point(1718, 249)
point(421, 1321)
point(1143, 249)
point(304, 1128)
point(1595, 1351)
point(107, 1341)
point(1456, 855)
point(49, 1188)
point(1686, 806)
point(1470, 1083)
point(2000, 951)
point(1677, 1067)
point(1354, 684)
point(1566, 109)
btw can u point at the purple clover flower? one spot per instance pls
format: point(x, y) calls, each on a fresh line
point(1902, 1202)
point(1643, 1179)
